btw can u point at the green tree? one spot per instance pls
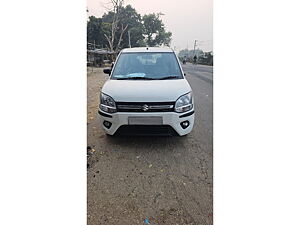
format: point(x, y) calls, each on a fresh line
point(128, 17)
point(191, 53)
point(95, 33)
point(134, 20)
point(115, 25)
point(154, 30)
point(113, 29)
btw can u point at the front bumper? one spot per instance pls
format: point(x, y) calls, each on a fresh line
point(172, 119)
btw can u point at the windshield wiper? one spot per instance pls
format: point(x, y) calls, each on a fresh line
point(135, 78)
point(168, 77)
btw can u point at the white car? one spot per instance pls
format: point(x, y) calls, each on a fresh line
point(146, 94)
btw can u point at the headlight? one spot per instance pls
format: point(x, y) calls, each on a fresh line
point(184, 103)
point(107, 104)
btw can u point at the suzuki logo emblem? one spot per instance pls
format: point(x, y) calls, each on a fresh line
point(145, 108)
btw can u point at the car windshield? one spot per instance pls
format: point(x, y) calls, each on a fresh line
point(147, 66)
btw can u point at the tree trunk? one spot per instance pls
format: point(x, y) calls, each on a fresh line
point(121, 35)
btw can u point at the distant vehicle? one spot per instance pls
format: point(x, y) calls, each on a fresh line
point(146, 94)
point(195, 59)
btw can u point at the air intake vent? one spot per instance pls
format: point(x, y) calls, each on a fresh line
point(146, 130)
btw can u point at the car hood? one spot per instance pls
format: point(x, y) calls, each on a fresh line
point(146, 90)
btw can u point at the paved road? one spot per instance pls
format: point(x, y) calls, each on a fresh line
point(166, 180)
point(201, 71)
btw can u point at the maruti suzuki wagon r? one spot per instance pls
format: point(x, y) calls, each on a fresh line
point(146, 94)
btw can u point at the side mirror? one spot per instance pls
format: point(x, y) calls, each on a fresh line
point(184, 74)
point(107, 71)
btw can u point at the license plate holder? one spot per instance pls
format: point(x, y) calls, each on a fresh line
point(145, 120)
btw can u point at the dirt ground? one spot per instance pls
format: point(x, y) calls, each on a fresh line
point(165, 180)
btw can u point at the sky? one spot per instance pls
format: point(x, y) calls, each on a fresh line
point(188, 20)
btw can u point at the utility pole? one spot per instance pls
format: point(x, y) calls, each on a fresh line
point(129, 39)
point(195, 44)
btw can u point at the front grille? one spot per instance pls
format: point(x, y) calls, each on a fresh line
point(146, 130)
point(145, 106)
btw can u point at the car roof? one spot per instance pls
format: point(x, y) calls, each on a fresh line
point(147, 49)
